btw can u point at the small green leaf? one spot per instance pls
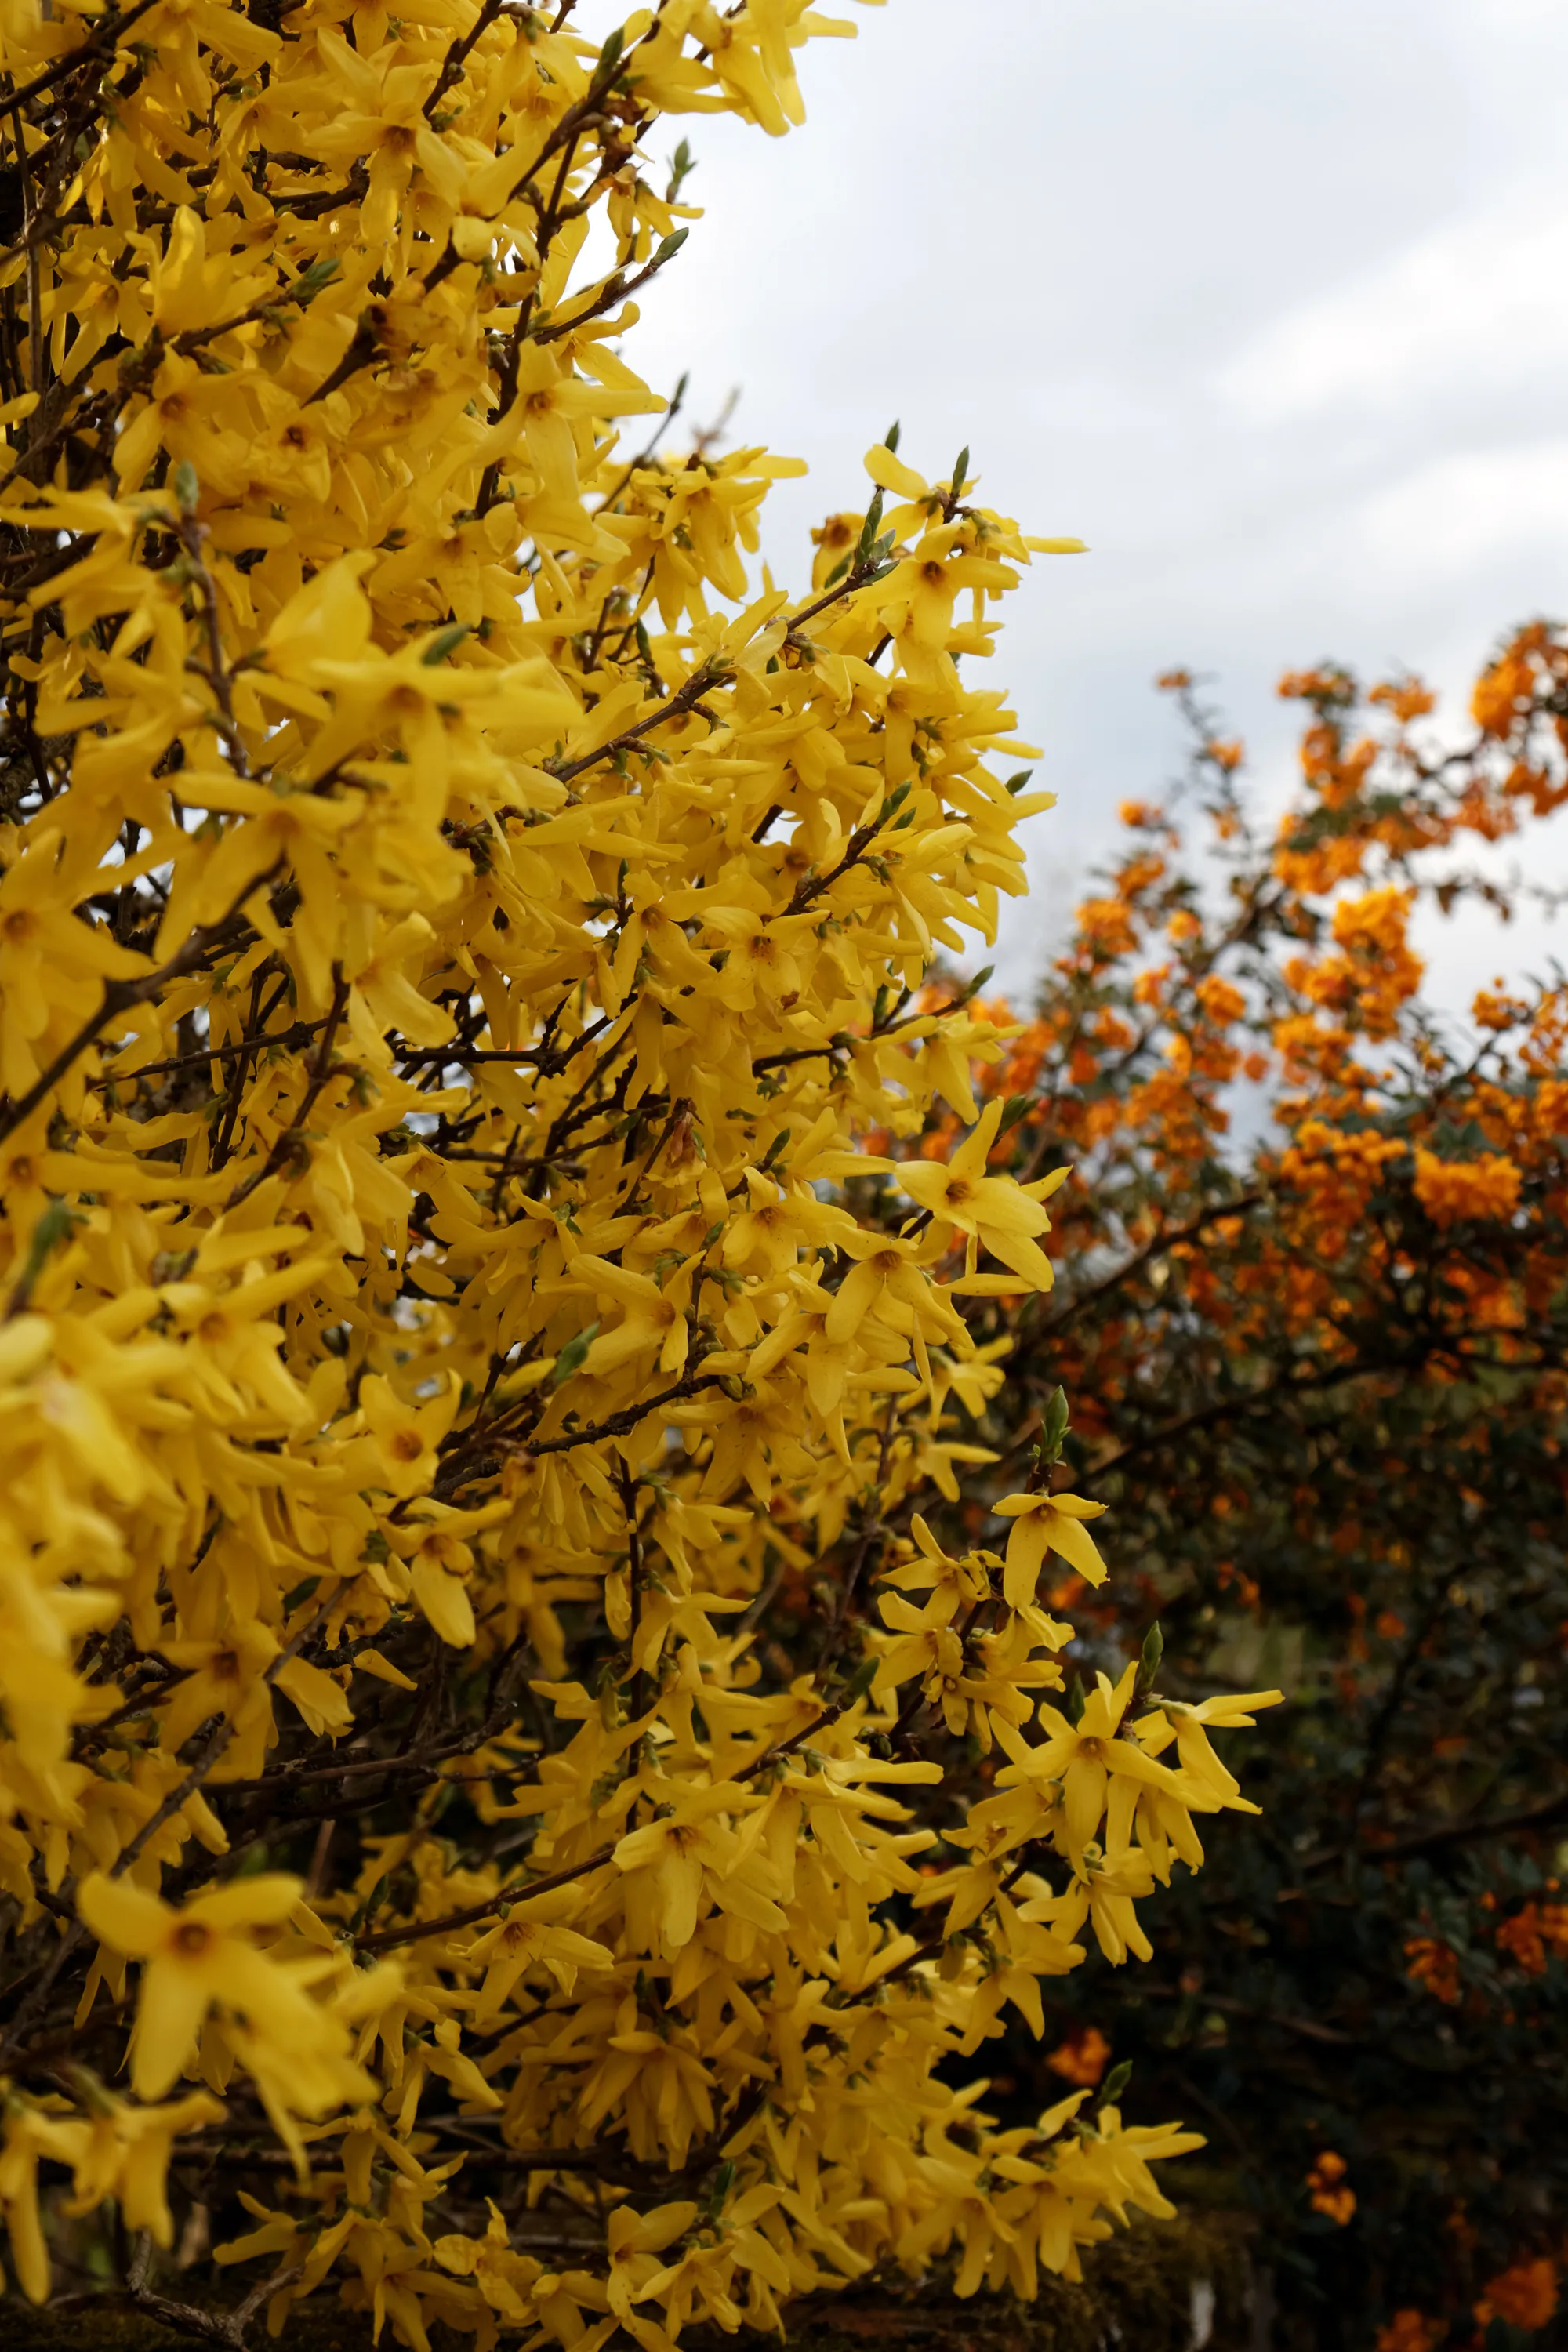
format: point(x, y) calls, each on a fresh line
point(890, 438)
point(573, 1355)
point(445, 641)
point(1115, 2082)
point(860, 1681)
point(311, 281)
point(1153, 1650)
point(365, 1915)
point(187, 487)
point(56, 1225)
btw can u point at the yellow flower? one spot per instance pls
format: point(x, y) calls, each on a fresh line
point(400, 1453)
point(125, 2154)
point(505, 2279)
point(388, 132)
point(50, 962)
point(1103, 1893)
point(1188, 1723)
point(636, 2241)
point(653, 1321)
point(997, 1211)
point(223, 1677)
point(1045, 1523)
point(769, 1236)
point(433, 1540)
point(664, 1864)
point(531, 1935)
point(32, 2135)
point(887, 1281)
point(1083, 1758)
point(199, 1958)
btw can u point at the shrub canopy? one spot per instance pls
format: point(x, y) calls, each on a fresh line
point(1314, 1325)
point(458, 929)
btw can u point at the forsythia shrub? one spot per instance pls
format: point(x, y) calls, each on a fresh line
point(455, 935)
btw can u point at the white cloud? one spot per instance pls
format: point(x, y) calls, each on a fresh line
point(1478, 299)
point(1471, 508)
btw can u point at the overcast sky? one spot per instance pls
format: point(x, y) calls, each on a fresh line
point(1267, 300)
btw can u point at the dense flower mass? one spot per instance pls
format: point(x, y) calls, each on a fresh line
point(458, 929)
point(1313, 1316)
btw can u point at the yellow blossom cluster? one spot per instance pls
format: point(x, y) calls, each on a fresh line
point(458, 928)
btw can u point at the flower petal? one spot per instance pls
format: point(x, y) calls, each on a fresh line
point(174, 2000)
point(123, 1915)
point(264, 1901)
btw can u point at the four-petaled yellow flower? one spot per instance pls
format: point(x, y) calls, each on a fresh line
point(995, 1210)
point(202, 1957)
point(1042, 1524)
point(1082, 1758)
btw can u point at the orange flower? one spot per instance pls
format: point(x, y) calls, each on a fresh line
point(1525, 2294)
point(1329, 2196)
point(1522, 1938)
point(1081, 2059)
point(1435, 1965)
point(1411, 2331)
point(1493, 1008)
point(1452, 1188)
point(1220, 999)
point(1409, 700)
point(1552, 1922)
point(1502, 692)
